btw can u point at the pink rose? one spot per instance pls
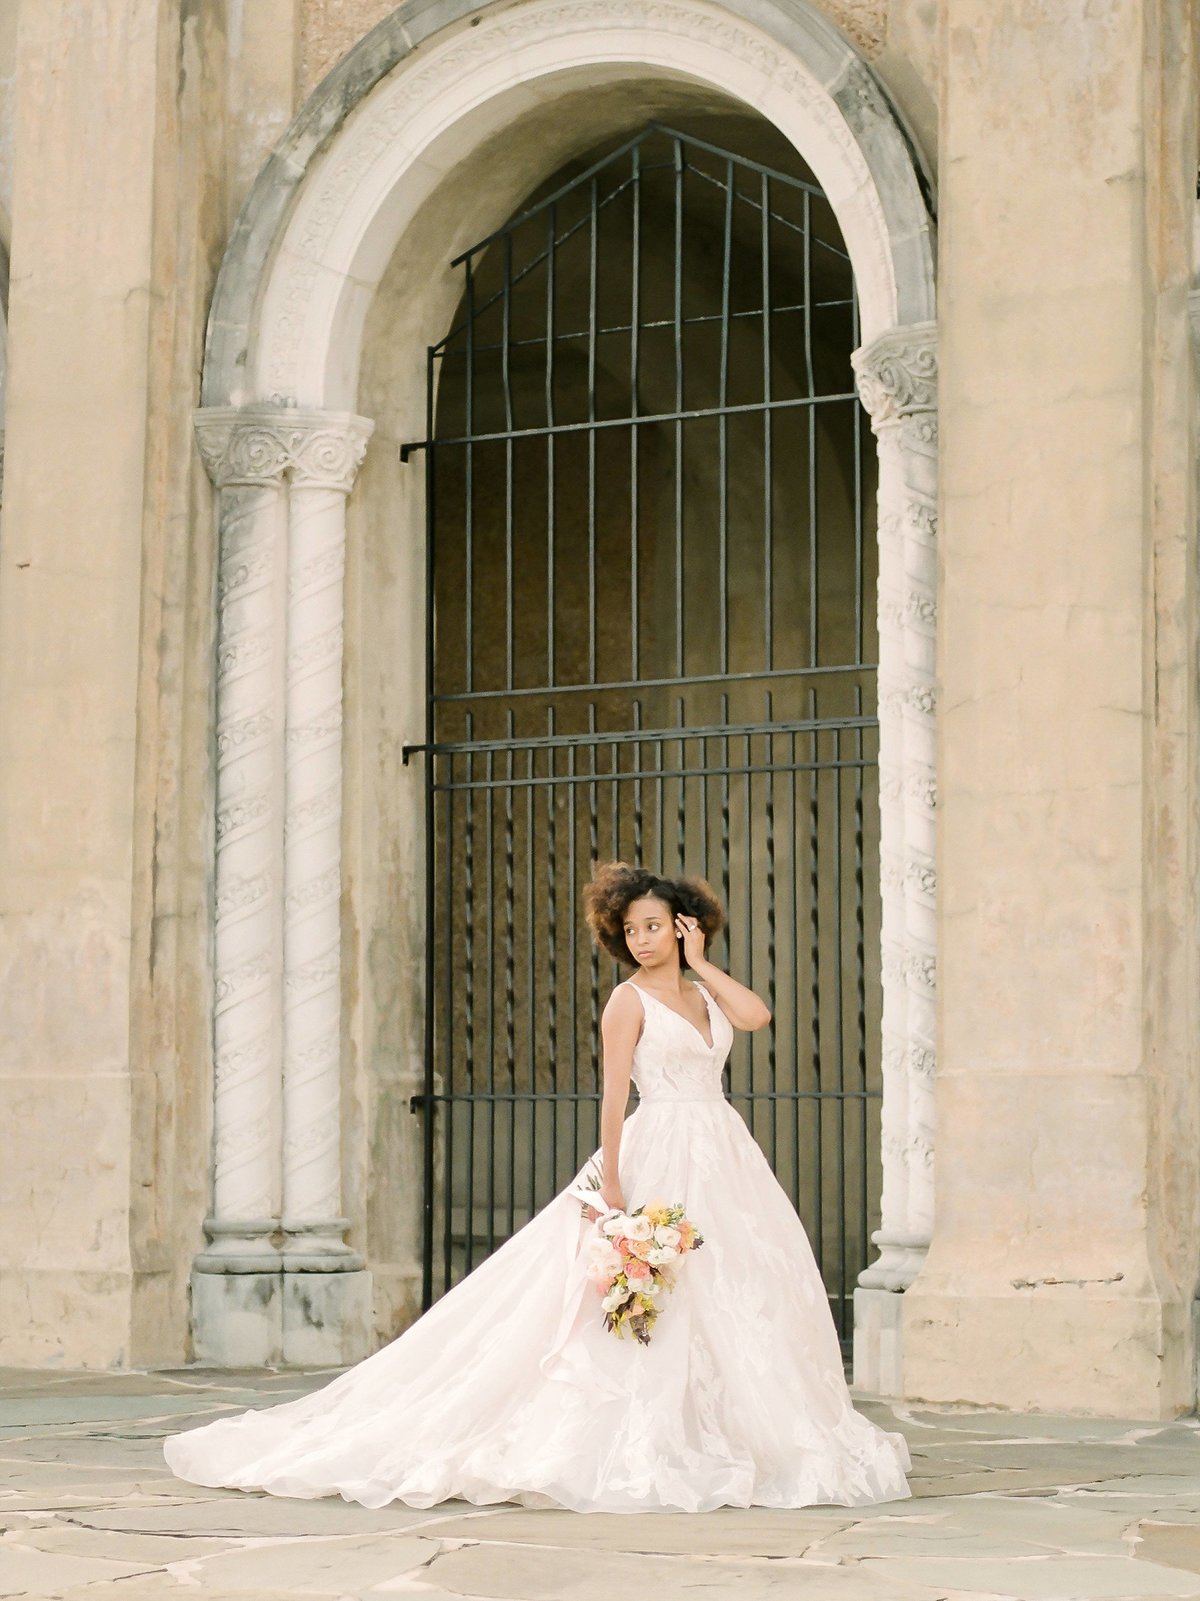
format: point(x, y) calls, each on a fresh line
point(638, 1273)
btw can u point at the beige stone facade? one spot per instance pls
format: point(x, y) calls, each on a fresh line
point(229, 228)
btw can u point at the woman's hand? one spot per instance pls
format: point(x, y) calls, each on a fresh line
point(692, 935)
point(612, 1198)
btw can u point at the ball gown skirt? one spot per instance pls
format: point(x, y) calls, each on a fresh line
point(509, 1388)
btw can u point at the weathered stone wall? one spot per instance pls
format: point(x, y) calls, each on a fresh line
point(1067, 1230)
point(130, 132)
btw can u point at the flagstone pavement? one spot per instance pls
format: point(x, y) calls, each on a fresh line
point(1038, 1508)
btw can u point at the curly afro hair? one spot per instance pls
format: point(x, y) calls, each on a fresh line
point(614, 885)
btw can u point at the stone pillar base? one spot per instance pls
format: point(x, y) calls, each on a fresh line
point(237, 1319)
point(281, 1319)
point(326, 1319)
point(878, 1346)
point(1057, 1346)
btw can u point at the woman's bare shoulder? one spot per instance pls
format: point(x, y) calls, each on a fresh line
point(621, 1003)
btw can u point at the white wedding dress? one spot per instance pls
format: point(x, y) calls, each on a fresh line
point(509, 1388)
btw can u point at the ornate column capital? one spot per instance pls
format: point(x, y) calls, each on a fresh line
point(897, 373)
point(265, 445)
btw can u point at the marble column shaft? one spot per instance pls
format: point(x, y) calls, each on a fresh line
point(897, 379)
point(283, 478)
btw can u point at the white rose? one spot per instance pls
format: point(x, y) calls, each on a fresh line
point(664, 1234)
point(661, 1255)
point(614, 1299)
point(616, 1223)
point(638, 1228)
point(603, 1256)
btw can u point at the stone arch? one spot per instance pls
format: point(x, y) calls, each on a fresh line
point(317, 209)
point(372, 166)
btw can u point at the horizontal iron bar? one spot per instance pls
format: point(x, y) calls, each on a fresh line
point(750, 408)
point(640, 736)
point(770, 673)
point(623, 150)
point(418, 1103)
point(737, 769)
point(560, 336)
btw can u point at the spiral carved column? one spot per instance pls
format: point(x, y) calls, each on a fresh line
point(246, 462)
point(277, 1283)
point(326, 461)
point(897, 380)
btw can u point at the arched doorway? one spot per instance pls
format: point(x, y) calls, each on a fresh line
point(338, 278)
point(650, 502)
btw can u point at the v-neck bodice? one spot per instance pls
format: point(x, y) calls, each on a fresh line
point(672, 1060)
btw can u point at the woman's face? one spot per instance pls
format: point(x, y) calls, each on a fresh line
point(650, 933)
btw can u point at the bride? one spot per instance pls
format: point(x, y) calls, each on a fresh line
point(509, 1388)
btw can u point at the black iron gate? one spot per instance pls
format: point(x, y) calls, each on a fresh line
point(650, 550)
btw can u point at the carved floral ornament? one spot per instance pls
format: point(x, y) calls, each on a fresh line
point(897, 374)
point(261, 448)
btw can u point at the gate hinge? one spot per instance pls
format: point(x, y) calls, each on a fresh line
point(418, 1103)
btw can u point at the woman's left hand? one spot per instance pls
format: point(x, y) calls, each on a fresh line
point(692, 935)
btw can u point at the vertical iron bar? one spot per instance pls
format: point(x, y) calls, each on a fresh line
point(725, 847)
point(680, 792)
point(638, 842)
point(593, 258)
point(839, 1035)
point(448, 1040)
point(552, 947)
point(812, 439)
point(723, 427)
point(769, 780)
point(704, 759)
point(725, 805)
point(489, 774)
point(859, 553)
point(659, 786)
point(748, 977)
point(678, 331)
point(860, 980)
point(635, 331)
point(531, 968)
point(430, 1133)
point(551, 490)
point(573, 917)
point(468, 485)
point(594, 951)
point(469, 990)
point(510, 1019)
point(794, 964)
point(506, 384)
point(814, 890)
point(615, 799)
point(768, 464)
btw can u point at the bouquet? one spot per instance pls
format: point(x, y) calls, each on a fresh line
point(633, 1260)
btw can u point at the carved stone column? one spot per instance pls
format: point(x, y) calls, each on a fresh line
point(326, 457)
point(259, 1289)
point(897, 379)
point(1194, 329)
point(235, 1301)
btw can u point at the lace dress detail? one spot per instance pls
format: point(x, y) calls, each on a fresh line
point(509, 1389)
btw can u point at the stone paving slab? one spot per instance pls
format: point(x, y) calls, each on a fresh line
point(1005, 1508)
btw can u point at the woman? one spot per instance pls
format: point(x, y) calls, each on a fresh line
point(510, 1389)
